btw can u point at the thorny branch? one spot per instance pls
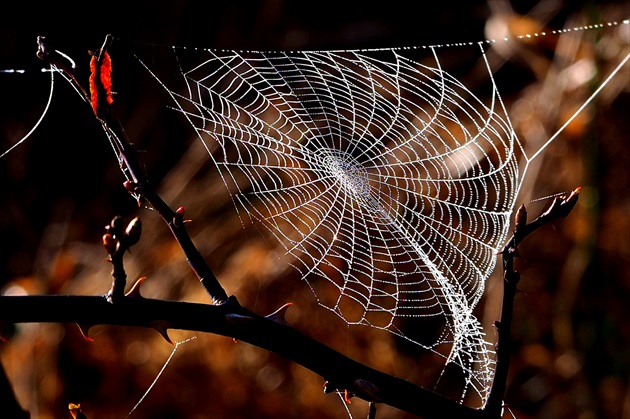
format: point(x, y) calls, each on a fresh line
point(139, 185)
point(228, 318)
point(234, 321)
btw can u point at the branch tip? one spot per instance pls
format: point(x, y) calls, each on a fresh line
point(520, 218)
point(573, 197)
point(106, 44)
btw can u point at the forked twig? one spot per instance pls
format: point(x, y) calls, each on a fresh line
point(560, 208)
point(139, 185)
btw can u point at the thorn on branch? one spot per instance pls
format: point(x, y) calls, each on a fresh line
point(134, 292)
point(75, 411)
point(85, 328)
point(162, 328)
point(372, 411)
point(279, 315)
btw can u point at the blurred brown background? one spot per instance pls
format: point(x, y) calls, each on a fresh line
point(62, 186)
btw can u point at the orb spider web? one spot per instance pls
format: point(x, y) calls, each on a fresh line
point(387, 182)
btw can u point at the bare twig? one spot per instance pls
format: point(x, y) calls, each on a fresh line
point(116, 242)
point(140, 184)
point(560, 208)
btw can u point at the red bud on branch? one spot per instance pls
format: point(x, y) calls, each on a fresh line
point(133, 231)
point(109, 243)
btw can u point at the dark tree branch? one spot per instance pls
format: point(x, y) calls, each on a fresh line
point(232, 320)
point(560, 208)
point(140, 184)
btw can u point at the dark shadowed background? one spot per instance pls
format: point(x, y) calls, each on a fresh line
point(63, 185)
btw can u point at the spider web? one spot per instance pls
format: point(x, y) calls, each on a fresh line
point(389, 184)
